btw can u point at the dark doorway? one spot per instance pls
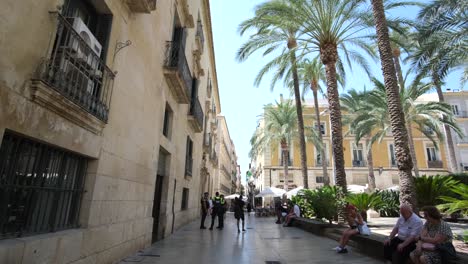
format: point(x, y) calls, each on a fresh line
point(157, 206)
point(160, 196)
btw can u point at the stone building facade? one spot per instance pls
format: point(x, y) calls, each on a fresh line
point(103, 109)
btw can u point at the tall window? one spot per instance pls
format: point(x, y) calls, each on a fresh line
point(185, 198)
point(188, 157)
point(322, 127)
point(431, 153)
point(455, 109)
point(392, 155)
point(167, 121)
point(40, 187)
point(358, 157)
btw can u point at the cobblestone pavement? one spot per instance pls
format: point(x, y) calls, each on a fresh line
point(264, 241)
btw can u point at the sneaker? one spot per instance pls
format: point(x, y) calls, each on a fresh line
point(342, 251)
point(338, 248)
point(202, 227)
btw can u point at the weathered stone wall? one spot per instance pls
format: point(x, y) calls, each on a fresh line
point(116, 216)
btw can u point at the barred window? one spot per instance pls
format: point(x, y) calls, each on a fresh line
point(40, 187)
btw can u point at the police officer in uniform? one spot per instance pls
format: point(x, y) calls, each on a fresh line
point(221, 212)
point(216, 208)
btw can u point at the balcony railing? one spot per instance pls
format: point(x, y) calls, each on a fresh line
point(359, 163)
point(75, 71)
point(289, 162)
point(177, 72)
point(199, 36)
point(196, 115)
point(435, 164)
point(319, 162)
point(188, 166)
point(141, 6)
point(462, 114)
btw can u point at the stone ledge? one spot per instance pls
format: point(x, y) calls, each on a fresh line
point(370, 245)
point(49, 98)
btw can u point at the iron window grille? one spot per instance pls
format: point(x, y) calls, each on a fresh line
point(40, 187)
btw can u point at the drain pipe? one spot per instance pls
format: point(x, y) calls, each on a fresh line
point(173, 203)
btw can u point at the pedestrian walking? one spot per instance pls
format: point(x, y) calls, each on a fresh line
point(239, 212)
point(205, 206)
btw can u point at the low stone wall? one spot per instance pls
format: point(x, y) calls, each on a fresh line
point(370, 245)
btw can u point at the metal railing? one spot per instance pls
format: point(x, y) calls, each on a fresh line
point(196, 111)
point(435, 164)
point(175, 58)
point(319, 162)
point(462, 114)
point(359, 163)
point(200, 35)
point(40, 187)
point(77, 72)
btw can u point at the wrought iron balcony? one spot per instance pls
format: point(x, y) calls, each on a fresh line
point(318, 163)
point(141, 6)
point(435, 164)
point(196, 115)
point(200, 37)
point(177, 72)
point(462, 114)
point(289, 162)
point(359, 163)
point(76, 72)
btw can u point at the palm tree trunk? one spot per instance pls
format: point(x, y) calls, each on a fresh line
point(401, 82)
point(448, 133)
point(329, 56)
point(326, 180)
point(413, 152)
point(284, 153)
point(300, 120)
point(397, 119)
point(370, 166)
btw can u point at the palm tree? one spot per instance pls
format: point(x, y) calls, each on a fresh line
point(364, 120)
point(332, 26)
point(441, 48)
point(312, 73)
point(274, 30)
point(279, 128)
point(400, 133)
point(427, 117)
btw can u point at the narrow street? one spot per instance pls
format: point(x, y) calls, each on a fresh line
point(264, 241)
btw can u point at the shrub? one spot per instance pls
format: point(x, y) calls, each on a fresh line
point(364, 202)
point(457, 203)
point(461, 177)
point(430, 188)
point(306, 208)
point(390, 206)
point(324, 201)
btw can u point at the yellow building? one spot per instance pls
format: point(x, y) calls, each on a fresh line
point(269, 169)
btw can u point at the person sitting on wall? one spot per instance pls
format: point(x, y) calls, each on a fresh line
point(294, 212)
point(435, 242)
point(402, 239)
point(354, 220)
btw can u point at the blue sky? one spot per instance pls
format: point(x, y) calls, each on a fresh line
point(241, 101)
